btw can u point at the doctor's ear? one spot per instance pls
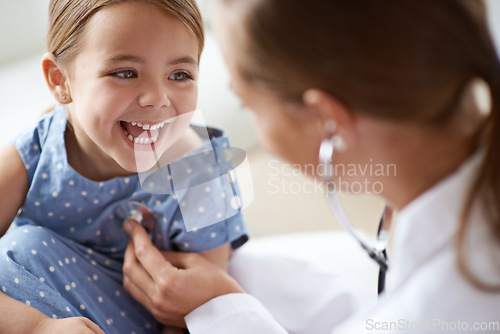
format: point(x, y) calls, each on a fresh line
point(330, 110)
point(55, 78)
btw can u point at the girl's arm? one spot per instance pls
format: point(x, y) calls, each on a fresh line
point(20, 318)
point(13, 185)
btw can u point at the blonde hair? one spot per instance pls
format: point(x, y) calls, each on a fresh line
point(68, 18)
point(399, 60)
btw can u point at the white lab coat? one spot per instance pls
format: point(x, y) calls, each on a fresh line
point(426, 291)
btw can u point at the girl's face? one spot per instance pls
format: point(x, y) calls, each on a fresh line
point(136, 70)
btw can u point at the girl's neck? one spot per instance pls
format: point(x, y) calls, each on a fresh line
point(86, 164)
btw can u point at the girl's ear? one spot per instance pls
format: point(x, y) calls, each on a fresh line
point(55, 78)
point(328, 108)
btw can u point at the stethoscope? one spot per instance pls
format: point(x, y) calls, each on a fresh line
point(375, 251)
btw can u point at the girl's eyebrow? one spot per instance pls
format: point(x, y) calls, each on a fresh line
point(184, 60)
point(135, 59)
point(120, 58)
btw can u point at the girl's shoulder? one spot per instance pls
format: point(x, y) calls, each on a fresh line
point(46, 134)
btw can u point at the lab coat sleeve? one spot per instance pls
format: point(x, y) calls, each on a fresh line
point(232, 313)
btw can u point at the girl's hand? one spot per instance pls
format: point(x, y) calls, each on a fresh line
point(170, 284)
point(76, 325)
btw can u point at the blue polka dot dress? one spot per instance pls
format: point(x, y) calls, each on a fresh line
point(65, 252)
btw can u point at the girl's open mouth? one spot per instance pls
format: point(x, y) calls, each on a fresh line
point(142, 133)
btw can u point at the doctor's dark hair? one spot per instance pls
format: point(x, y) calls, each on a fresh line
point(397, 60)
point(68, 19)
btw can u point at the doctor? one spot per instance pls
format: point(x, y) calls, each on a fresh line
point(405, 82)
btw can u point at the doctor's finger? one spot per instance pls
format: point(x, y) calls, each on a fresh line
point(134, 272)
point(147, 254)
point(183, 260)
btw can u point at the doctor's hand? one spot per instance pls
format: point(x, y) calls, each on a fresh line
point(170, 284)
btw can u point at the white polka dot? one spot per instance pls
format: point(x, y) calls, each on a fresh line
point(36, 147)
point(4, 289)
point(223, 195)
point(183, 204)
point(44, 176)
point(93, 263)
point(175, 222)
point(72, 229)
point(195, 229)
point(68, 309)
point(207, 189)
point(165, 220)
point(25, 231)
point(186, 245)
point(71, 182)
point(96, 201)
point(16, 280)
point(90, 251)
point(37, 203)
point(123, 314)
point(83, 193)
point(60, 263)
point(73, 284)
point(73, 259)
point(42, 279)
point(127, 180)
point(59, 166)
point(55, 194)
point(33, 251)
point(98, 232)
point(7, 259)
point(28, 303)
point(67, 205)
point(213, 235)
point(51, 269)
point(210, 170)
point(151, 185)
point(82, 307)
point(67, 287)
point(237, 228)
point(148, 325)
point(201, 209)
point(219, 215)
point(117, 293)
point(109, 321)
point(14, 243)
point(112, 191)
point(79, 209)
point(95, 277)
point(66, 260)
point(44, 243)
point(50, 214)
point(189, 171)
point(100, 299)
point(158, 203)
point(53, 241)
point(54, 316)
point(101, 184)
point(89, 220)
point(170, 177)
point(175, 197)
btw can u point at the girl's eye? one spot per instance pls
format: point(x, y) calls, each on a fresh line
point(180, 76)
point(125, 74)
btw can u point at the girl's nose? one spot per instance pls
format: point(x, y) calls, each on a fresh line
point(155, 95)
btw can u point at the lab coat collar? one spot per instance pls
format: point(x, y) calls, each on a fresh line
point(434, 216)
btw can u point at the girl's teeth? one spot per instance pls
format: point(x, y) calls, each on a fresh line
point(146, 141)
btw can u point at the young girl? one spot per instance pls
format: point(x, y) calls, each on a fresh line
point(125, 76)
